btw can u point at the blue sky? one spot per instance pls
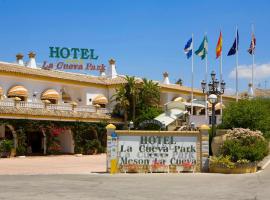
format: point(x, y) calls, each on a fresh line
point(146, 37)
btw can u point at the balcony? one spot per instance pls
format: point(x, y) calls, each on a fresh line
point(10, 108)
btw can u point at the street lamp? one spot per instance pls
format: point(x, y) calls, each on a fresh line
point(215, 89)
point(130, 125)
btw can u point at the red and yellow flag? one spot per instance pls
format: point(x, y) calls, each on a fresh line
point(219, 46)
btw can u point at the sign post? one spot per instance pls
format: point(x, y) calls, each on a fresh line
point(111, 146)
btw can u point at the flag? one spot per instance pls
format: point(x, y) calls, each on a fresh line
point(188, 48)
point(234, 47)
point(203, 48)
point(219, 46)
point(251, 49)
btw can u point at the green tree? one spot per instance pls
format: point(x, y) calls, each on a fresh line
point(149, 99)
point(137, 100)
point(132, 91)
point(123, 103)
point(253, 114)
point(149, 93)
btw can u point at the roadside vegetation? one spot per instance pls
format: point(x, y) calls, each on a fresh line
point(247, 140)
point(253, 114)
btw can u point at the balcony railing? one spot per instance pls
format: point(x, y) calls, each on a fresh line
point(61, 107)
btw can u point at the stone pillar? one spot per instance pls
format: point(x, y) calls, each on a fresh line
point(204, 132)
point(111, 163)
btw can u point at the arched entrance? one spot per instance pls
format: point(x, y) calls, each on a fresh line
point(66, 141)
point(8, 133)
point(34, 141)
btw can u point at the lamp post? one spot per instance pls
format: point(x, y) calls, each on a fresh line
point(130, 125)
point(215, 89)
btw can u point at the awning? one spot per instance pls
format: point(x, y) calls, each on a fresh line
point(100, 99)
point(180, 99)
point(50, 94)
point(170, 116)
point(195, 105)
point(17, 91)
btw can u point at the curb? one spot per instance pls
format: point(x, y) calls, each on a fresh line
point(264, 163)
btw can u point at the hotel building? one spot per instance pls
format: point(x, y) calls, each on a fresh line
point(29, 92)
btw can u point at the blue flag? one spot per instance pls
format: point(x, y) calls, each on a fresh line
point(188, 48)
point(234, 47)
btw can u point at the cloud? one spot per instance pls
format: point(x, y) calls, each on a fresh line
point(261, 71)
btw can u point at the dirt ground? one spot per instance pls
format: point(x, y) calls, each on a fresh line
point(61, 164)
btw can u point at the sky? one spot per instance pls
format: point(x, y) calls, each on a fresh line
point(145, 37)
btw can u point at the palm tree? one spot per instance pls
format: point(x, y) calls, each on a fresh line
point(149, 93)
point(122, 101)
point(135, 97)
point(132, 91)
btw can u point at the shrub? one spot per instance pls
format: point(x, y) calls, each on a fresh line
point(6, 145)
point(92, 146)
point(222, 161)
point(20, 150)
point(245, 144)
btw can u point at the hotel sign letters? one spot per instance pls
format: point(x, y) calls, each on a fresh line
point(167, 150)
point(74, 59)
point(73, 53)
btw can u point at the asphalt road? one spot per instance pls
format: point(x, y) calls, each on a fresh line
point(137, 186)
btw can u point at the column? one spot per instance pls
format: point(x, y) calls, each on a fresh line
point(204, 132)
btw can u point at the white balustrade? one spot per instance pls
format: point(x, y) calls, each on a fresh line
point(91, 109)
point(7, 103)
point(25, 104)
point(62, 107)
point(59, 107)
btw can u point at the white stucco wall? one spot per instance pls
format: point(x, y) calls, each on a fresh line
point(66, 142)
point(91, 93)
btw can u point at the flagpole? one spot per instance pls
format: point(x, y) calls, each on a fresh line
point(192, 74)
point(253, 59)
point(206, 73)
point(220, 69)
point(236, 70)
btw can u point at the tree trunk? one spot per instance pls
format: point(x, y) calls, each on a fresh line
point(133, 109)
point(14, 134)
point(125, 120)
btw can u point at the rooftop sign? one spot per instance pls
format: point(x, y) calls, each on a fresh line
point(73, 53)
point(76, 59)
